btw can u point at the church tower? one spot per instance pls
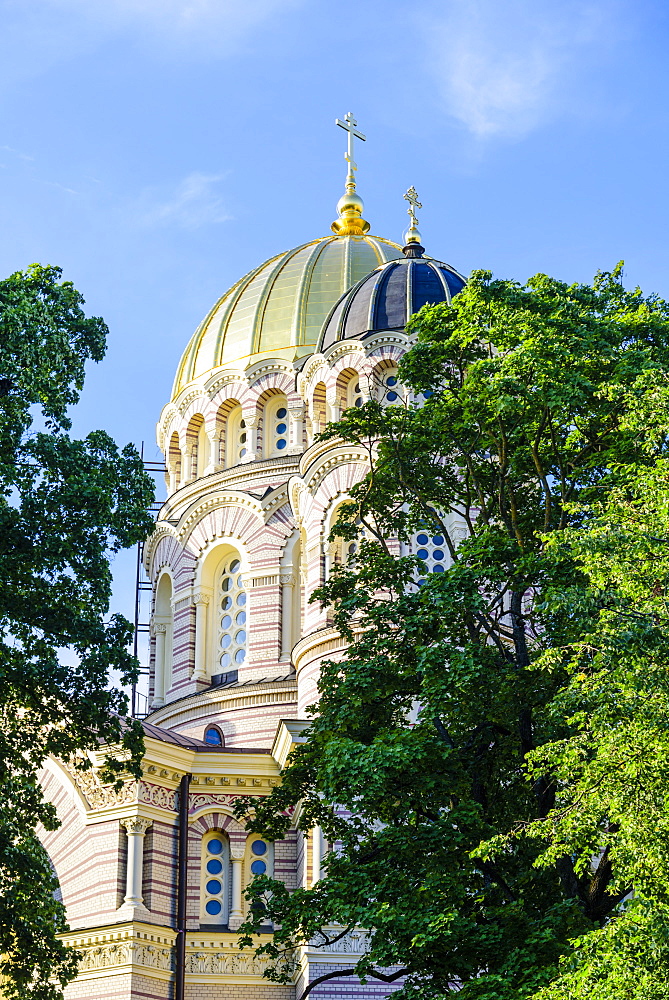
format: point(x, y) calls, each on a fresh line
point(153, 875)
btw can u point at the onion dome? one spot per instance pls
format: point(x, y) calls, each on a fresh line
point(386, 298)
point(277, 310)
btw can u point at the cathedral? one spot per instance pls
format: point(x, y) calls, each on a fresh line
point(152, 875)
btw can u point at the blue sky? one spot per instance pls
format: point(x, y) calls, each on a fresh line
point(158, 149)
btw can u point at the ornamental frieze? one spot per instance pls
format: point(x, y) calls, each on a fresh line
point(126, 953)
point(222, 964)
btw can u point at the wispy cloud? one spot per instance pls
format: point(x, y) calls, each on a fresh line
point(16, 152)
point(218, 23)
point(507, 67)
point(195, 202)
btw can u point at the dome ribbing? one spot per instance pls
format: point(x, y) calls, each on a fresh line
point(278, 309)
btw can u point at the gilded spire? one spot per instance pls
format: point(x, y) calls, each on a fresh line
point(350, 206)
point(412, 234)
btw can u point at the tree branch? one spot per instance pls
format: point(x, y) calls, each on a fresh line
point(339, 973)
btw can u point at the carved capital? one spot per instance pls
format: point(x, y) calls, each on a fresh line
point(136, 825)
point(237, 853)
point(287, 579)
point(159, 627)
point(201, 597)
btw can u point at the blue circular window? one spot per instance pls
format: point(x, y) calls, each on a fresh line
point(225, 641)
point(391, 397)
point(240, 656)
point(438, 555)
point(281, 413)
point(438, 539)
point(422, 553)
point(226, 621)
point(438, 569)
point(241, 600)
point(213, 907)
point(213, 737)
point(427, 393)
point(225, 660)
point(281, 428)
point(214, 867)
point(234, 565)
point(214, 886)
point(258, 867)
point(422, 539)
point(215, 846)
point(391, 380)
point(281, 444)
point(259, 847)
point(241, 618)
point(358, 401)
point(420, 582)
point(226, 603)
point(241, 637)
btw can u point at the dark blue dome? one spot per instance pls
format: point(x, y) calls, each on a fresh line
point(386, 298)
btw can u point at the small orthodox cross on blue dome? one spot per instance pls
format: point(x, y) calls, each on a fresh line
point(349, 124)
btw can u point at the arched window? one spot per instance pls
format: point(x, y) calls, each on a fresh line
point(231, 611)
point(432, 550)
point(340, 551)
point(275, 426)
point(389, 389)
point(349, 391)
point(259, 859)
point(213, 736)
point(198, 446)
point(234, 442)
point(318, 409)
point(174, 462)
point(214, 880)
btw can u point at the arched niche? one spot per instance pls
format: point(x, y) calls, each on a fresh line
point(163, 636)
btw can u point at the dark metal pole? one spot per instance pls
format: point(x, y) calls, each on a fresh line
point(182, 890)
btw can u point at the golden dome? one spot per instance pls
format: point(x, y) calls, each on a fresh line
point(278, 309)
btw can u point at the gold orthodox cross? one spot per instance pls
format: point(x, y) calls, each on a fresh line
point(349, 124)
point(412, 197)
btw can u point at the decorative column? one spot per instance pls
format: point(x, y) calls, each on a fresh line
point(316, 854)
point(251, 439)
point(160, 632)
point(236, 911)
point(331, 409)
point(200, 600)
point(136, 828)
point(287, 584)
point(296, 418)
point(214, 449)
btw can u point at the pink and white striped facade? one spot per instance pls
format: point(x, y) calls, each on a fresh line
point(270, 511)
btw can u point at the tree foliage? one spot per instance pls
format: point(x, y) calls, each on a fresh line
point(65, 507)
point(489, 756)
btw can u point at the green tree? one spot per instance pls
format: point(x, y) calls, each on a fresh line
point(490, 753)
point(65, 507)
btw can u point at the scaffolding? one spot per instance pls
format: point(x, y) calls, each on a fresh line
point(143, 585)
